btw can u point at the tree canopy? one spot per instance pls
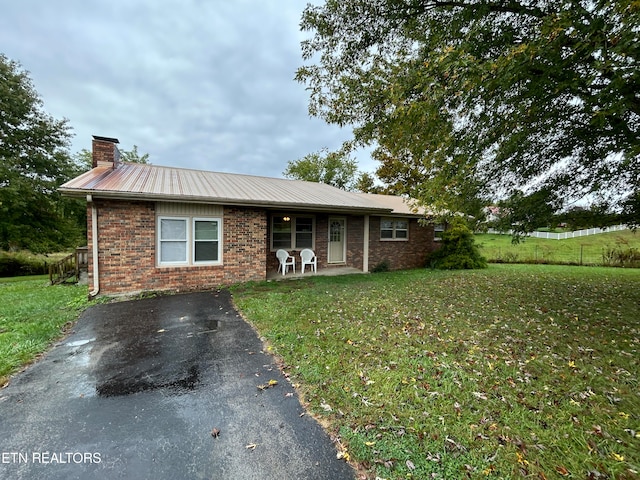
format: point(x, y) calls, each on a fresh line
point(34, 161)
point(333, 168)
point(487, 96)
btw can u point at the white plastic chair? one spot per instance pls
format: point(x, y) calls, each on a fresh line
point(308, 257)
point(286, 260)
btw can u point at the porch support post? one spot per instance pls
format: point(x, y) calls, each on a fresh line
point(365, 247)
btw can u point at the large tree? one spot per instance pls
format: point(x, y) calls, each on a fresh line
point(503, 94)
point(333, 168)
point(34, 161)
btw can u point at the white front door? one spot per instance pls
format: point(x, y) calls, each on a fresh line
point(337, 240)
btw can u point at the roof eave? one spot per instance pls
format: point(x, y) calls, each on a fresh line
point(137, 196)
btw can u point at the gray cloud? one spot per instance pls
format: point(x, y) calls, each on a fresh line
point(197, 84)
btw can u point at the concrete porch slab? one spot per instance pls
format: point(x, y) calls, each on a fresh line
point(322, 272)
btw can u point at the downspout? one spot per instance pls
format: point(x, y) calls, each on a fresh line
point(94, 247)
point(365, 247)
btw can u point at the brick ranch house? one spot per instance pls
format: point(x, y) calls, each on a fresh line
point(153, 228)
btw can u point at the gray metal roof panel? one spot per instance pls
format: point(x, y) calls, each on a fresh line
point(133, 180)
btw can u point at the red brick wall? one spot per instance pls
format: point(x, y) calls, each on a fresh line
point(104, 151)
point(245, 244)
point(400, 254)
point(127, 251)
point(355, 242)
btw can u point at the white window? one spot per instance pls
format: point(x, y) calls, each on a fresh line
point(189, 241)
point(206, 238)
point(394, 229)
point(173, 240)
point(291, 232)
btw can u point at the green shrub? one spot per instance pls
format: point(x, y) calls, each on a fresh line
point(621, 257)
point(381, 267)
point(458, 250)
point(18, 263)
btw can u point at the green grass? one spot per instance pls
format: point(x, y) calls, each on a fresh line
point(601, 249)
point(517, 371)
point(33, 314)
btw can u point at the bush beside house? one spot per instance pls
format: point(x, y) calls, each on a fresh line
point(458, 250)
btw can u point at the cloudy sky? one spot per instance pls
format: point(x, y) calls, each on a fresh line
point(194, 83)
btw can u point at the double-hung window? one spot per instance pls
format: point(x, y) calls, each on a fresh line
point(206, 240)
point(173, 241)
point(438, 230)
point(189, 241)
point(292, 232)
point(394, 229)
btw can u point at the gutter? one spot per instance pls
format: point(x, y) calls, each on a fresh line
point(94, 247)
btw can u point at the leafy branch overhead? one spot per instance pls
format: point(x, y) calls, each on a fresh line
point(503, 95)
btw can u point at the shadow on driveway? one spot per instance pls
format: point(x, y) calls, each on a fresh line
point(136, 390)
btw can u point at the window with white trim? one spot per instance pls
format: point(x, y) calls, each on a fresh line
point(438, 230)
point(292, 232)
point(189, 241)
point(172, 240)
point(206, 240)
point(394, 229)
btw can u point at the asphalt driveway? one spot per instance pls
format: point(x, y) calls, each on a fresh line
point(137, 389)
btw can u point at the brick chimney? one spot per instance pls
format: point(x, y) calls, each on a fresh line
point(105, 152)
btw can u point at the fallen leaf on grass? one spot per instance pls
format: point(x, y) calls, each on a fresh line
point(562, 470)
point(326, 407)
point(489, 470)
point(343, 454)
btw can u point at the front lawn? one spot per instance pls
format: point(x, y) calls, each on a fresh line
point(519, 371)
point(32, 315)
point(606, 249)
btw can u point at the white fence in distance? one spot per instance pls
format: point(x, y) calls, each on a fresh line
point(565, 235)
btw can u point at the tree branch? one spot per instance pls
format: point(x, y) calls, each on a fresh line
point(511, 7)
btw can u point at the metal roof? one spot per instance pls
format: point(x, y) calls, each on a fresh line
point(153, 182)
point(398, 205)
